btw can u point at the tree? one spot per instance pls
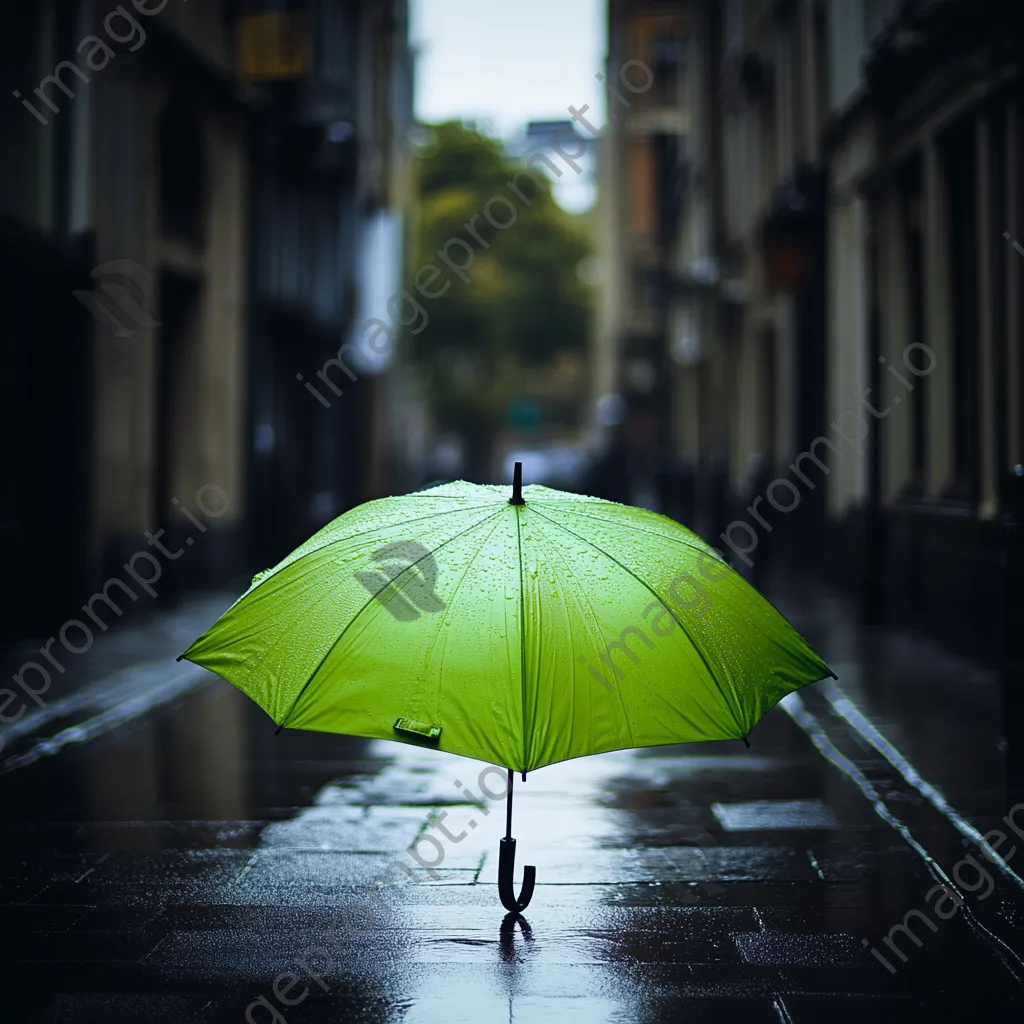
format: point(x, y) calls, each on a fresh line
point(525, 301)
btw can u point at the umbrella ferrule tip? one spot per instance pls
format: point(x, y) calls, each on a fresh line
point(517, 486)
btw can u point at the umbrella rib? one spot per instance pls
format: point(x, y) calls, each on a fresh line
point(666, 536)
point(665, 605)
point(499, 491)
point(522, 634)
point(348, 625)
point(693, 547)
point(347, 537)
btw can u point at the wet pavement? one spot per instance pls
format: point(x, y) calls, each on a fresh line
point(179, 862)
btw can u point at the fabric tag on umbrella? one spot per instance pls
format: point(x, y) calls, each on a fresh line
point(409, 725)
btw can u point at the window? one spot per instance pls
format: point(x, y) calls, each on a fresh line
point(335, 44)
point(181, 156)
point(1002, 253)
point(642, 187)
point(732, 27)
point(911, 223)
point(959, 157)
point(846, 50)
point(877, 14)
point(667, 63)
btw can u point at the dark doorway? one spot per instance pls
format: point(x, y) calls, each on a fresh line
point(299, 419)
point(46, 409)
point(177, 427)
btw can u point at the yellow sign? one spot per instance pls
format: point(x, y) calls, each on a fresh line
point(273, 47)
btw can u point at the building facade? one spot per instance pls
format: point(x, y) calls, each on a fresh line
point(642, 179)
point(125, 209)
point(330, 165)
point(925, 194)
point(755, 377)
point(198, 203)
point(842, 331)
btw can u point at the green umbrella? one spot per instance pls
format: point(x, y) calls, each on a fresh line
point(520, 631)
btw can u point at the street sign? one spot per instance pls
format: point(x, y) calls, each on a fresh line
point(273, 47)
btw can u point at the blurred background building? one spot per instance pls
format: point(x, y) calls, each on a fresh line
point(329, 169)
point(198, 202)
point(817, 198)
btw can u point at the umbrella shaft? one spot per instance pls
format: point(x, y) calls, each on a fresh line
point(508, 810)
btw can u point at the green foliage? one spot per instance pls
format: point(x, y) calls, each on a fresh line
point(525, 300)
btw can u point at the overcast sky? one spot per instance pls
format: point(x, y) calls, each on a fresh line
point(503, 65)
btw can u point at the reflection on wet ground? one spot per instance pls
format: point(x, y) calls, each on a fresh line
point(171, 870)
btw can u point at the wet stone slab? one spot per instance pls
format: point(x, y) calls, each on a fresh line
point(775, 815)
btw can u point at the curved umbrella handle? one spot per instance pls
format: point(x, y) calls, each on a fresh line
point(506, 865)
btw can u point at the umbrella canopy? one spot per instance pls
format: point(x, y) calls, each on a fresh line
point(520, 632)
